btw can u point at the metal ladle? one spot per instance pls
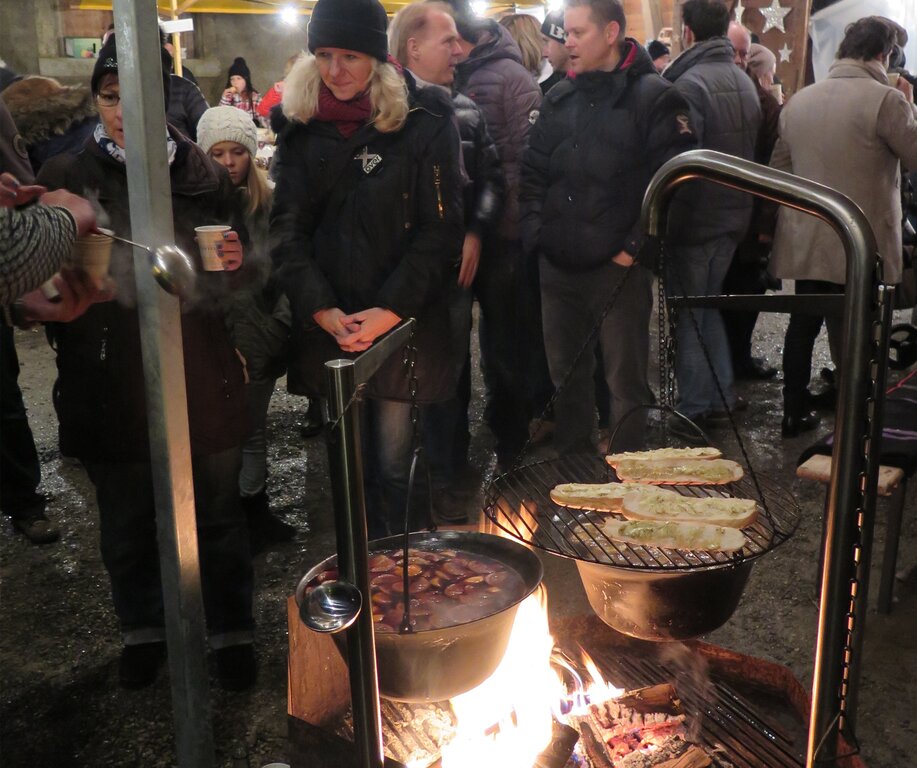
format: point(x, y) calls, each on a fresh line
point(331, 607)
point(172, 267)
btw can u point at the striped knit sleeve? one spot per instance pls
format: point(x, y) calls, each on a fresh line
point(33, 243)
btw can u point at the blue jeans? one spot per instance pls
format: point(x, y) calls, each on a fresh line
point(127, 526)
point(699, 271)
point(253, 477)
point(387, 437)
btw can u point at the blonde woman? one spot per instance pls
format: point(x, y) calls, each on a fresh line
point(258, 320)
point(526, 31)
point(367, 222)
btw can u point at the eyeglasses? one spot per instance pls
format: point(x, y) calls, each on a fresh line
point(108, 99)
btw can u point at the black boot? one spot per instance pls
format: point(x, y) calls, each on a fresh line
point(794, 423)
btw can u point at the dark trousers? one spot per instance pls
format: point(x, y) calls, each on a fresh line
point(745, 278)
point(20, 472)
point(445, 424)
point(501, 290)
point(127, 525)
point(571, 305)
point(799, 343)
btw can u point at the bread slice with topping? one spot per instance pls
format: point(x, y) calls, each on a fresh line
point(673, 535)
point(679, 472)
point(601, 497)
point(658, 504)
point(665, 454)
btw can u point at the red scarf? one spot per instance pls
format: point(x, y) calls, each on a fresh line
point(347, 116)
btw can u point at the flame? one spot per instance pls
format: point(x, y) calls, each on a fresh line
point(599, 689)
point(507, 720)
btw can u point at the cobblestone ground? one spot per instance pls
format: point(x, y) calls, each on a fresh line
point(61, 705)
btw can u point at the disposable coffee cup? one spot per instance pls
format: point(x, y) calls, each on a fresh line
point(92, 254)
point(777, 92)
point(893, 79)
point(208, 240)
point(49, 290)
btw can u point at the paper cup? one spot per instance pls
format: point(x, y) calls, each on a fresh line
point(893, 79)
point(777, 92)
point(92, 254)
point(208, 238)
point(49, 290)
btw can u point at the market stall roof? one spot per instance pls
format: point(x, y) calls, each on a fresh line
point(166, 7)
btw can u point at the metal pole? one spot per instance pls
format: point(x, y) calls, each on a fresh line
point(838, 595)
point(346, 465)
point(149, 193)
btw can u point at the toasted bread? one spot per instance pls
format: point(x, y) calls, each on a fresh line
point(672, 535)
point(601, 497)
point(665, 454)
point(658, 504)
point(686, 472)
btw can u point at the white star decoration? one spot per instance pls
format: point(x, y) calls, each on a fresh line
point(739, 10)
point(785, 53)
point(773, 16)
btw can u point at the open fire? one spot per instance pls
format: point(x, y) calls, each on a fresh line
point(511, 718)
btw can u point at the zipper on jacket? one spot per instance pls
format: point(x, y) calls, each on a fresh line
point(437, 182)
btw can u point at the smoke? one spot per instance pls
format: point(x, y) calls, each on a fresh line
point(693, 669)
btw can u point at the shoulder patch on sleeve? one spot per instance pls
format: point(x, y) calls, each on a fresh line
point(533, 116)
point(19, 147)
point(683, 123)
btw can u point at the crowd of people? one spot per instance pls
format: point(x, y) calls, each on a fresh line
point(421, 164)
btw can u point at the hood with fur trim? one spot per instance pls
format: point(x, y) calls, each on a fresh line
point(42, 108)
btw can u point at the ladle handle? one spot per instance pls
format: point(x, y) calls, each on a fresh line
point(125, 240)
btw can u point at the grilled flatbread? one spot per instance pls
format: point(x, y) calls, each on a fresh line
point(687, 472)
point(658, 504)
point(602, 497)
point(665, 454)
point(673, 535)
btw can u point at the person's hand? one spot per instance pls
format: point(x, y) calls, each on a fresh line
point(906, 88)
point(471, 257)
point(230, 251)
point(278, 86)
point(371, 324)
point(13, 193)
point(623, 259)
point(330, 321)
point(80, 208)
point(227, 94)
point(77, 292)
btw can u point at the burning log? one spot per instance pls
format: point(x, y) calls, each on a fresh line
point(653, 698)
point(557, 754)
point(694, 757)
point(412, 733)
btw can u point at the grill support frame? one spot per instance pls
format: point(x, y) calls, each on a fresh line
point(852, 488)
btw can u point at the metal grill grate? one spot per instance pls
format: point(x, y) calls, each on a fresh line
point(733, 732)
point(519, 503)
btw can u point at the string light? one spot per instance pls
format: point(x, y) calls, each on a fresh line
point(289, 16)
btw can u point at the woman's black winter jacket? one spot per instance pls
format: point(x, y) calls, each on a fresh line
point(99, 395)
point(371, 221)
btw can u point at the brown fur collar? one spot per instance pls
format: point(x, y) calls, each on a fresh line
point(41, 107)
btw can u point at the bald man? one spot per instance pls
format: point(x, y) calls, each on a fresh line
point(741, 41)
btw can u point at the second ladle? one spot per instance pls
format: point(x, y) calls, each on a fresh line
point(172, 267)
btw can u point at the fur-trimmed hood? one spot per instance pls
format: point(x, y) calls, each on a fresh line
point(43, 108)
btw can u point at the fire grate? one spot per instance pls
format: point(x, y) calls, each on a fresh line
point(733, 732)
point(519, 504)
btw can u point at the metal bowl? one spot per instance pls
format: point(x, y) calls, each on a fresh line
point(437, 664)
point(660, 606)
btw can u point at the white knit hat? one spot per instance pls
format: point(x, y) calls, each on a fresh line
point(227, 124)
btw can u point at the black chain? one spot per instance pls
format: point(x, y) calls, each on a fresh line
point(409, 360)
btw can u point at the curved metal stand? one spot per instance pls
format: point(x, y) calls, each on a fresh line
point(346, 465)
point(832, 696)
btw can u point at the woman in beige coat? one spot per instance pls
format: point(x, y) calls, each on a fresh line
point(851, 132)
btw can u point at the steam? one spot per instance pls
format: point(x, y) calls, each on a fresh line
point(692, 668)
